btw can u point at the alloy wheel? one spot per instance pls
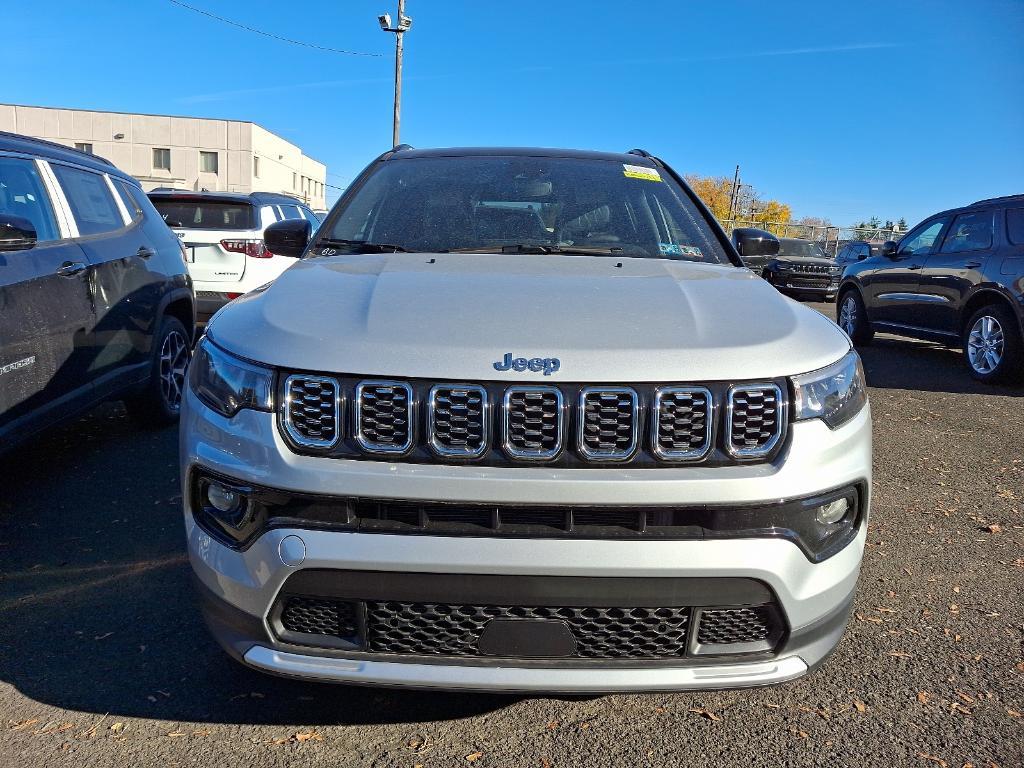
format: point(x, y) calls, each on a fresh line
point(985, 344)
point(848, 315)
point(174, 357)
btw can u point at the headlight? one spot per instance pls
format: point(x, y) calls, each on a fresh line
point(834, 394)
point(228, 384)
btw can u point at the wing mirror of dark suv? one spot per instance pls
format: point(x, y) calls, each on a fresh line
point(750, 241)
point(889, 249)
point(288, 238)
point(16, 233)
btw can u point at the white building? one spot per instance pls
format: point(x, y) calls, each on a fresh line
point(181, 152)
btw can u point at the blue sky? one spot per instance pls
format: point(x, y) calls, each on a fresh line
point(843, 110)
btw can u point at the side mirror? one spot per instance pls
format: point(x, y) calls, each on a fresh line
point(16, 233)
point(889, 248)
point(288, 238)
point(754, 242)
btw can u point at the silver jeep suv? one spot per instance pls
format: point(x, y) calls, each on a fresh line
point(520, 420)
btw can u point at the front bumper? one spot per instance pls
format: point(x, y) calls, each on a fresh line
point(239, 588)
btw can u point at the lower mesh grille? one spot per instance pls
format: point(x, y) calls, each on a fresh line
point(734, 625)
point(454, 630)
point(317, 616)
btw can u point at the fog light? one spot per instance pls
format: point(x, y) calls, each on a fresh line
point(223, 499)
point(833, 512)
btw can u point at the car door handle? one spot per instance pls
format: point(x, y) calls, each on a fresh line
point(144, 252)
point(916, 266)
point(972, 264)
point(71, 268)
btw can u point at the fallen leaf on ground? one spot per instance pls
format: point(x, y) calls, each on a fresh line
point(706, 713)
point(924, 697)
point(994, 528)
point(860, 705)
point(1014, 713)
point(310, 736)
point(472, 757)
point(118, 726)
point(22, 725)
point(175, 734)
point(938, 760)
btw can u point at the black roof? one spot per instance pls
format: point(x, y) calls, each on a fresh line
point(586, 154)
point(15, 142)
point(1003, 199)
point(257, 198)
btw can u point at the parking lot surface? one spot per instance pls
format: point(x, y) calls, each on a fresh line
point(104, 660)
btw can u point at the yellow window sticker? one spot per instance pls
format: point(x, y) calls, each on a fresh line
point(640, 172)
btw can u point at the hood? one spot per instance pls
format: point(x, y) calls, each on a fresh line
point(453, 316)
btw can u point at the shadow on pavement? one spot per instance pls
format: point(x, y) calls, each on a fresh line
point(96, 607)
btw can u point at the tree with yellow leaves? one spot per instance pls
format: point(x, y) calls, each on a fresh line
point(716, 193)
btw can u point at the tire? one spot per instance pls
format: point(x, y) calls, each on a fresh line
point(993, 348)
point(852, 317)
point(159, 402)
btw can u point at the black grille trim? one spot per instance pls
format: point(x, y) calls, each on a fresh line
point(533, 422)
point(458, 420)
point(312, 413)
point(388, 427)
point(755, 420)
point(737, 629)
point(690, 410)
point(608, 423)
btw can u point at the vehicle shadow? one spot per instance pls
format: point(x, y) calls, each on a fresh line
point(97, 610)
point(892, 362)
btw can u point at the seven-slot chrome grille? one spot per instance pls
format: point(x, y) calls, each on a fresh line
point(756, 418)
point(565, 425)
point(312, 410)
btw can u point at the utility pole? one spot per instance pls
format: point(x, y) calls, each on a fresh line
point(735, 190)
point(399, 30)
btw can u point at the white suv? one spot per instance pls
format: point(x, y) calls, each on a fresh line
point(521, 420)
point(223, 237)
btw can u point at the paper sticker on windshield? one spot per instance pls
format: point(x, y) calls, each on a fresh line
point(640, 172)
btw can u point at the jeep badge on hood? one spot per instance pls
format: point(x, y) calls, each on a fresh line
point(536, 364)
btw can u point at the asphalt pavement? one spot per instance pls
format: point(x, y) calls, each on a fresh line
point(104, 660)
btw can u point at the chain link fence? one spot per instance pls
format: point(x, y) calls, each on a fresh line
point(830, 237)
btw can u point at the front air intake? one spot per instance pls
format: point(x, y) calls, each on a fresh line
point(384, 416)
point(756, 419)
point(312, 410)
point(533, 425)
point(458, 420)
point(608, 422)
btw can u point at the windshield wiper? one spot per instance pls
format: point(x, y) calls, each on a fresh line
point(363, 246)
point(538, 248)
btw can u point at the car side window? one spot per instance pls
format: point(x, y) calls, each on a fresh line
point(1015, 225)
point(130, 203)
point(23, 194)
point(970, 232)
point(922, 240)
point(314, 222)
point(290, 211)
point(91, 203)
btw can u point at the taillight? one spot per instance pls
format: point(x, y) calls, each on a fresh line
point(254, 248)
point(233, 296)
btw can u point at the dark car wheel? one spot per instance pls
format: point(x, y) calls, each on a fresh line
point(159, 403)
point(993, 347)
point(852, 317)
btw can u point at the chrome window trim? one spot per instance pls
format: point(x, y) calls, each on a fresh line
point(755, 453)
point(286, 416)
point(379, 448)
point(516, 453)
point(613, 455)
point(656, 449)
point(485, 437)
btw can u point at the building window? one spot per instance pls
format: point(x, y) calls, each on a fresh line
point(161, 159)
point(208, 162)
point(256, 167)
point(83, 147)
point(295, 182)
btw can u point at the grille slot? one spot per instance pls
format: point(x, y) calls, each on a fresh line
point(454, 630)
point(384, 416)
point(756, 419)
point(741, 629)
point(320, 616)
point(533, 422)
point(312, 412)
point(457, 420)
point(681, 425)
point(609, 420)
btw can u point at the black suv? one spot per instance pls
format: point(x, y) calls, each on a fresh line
point(957, 278)
point(95, 299)
point(802, 269)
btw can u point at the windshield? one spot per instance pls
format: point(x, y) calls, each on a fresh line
point(800, 249)
point(206, 214)
point(526, 204)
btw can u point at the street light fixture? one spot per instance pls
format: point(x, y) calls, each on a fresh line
point(404, 25)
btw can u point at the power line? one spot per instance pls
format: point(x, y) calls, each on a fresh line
point(269, 34)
